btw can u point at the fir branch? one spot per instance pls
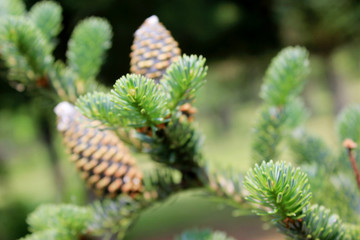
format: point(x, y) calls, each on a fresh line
point(227, 186)
point(47, 16)
point(67, 221)
point(99, 106)
point(283, 194)
point(283, 110)
point(66, 84)
point(309, 149)
point(278, 190)
point(352, 231)
point(51, 234)
point(318, 224)
point(183, 78)
point(348, 124)
point(63, 80)
point(87, 45)
point(25, 51)
point(139, 101)
point(12, 7)
point(160, 184)
point(268, 134)
point(114, 217)
point(285, 76)
point(178, 145)
point(205, 234)
point(335, 192)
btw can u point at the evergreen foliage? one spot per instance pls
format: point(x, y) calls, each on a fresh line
point(87, 45)
point(282, 111)
point(59, 221)
point(285, 76)
point(26, 52)
point(183, 78)
point(309, 149)
point(47, 16)
point(281, 190)
point(349, 124)
point(139, 101)
point(12, 7)
point(165, 131)
point(99, 105)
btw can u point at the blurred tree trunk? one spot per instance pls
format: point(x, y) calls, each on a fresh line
point(336, 85)
point(47, 138)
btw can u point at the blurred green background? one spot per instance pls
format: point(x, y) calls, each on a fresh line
point(238, 38)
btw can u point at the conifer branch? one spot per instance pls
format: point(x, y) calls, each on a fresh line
point(87, 45)
point(26, 52)
point(59, 222)
point(183, 78)
point(282, 111)
point(12, 8)
point(227, 186)
point(139, 101)
point(47, 16)
point(311, 150)
point(348, 124)
point(99, 106)
point(285, 76)
point(282, 193)
point(280, 190)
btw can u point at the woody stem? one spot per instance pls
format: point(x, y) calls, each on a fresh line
point(354, 166)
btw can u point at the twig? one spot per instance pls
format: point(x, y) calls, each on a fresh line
point(350, 145)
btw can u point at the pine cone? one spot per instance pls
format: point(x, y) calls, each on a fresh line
point(153, 50)
point(103, 160)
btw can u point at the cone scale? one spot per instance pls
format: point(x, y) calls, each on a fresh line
point(153, 49)
point(104, 161)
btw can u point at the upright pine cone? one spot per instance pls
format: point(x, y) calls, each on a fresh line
point(103, 160)
point(153, 50)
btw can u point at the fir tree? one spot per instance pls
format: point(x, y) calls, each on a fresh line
point(150, 111)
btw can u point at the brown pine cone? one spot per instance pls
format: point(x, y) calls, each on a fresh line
point(103, 160)
point(153, 50)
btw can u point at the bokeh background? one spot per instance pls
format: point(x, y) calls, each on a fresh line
point(238, 38)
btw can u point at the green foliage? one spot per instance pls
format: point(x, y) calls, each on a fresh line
point(47, 16)
point(283, 110)
point(12, 7)
point(87, 46)
point(98, 105)
point(47, 235)
point(318, 223)
point(26, 52)
point(276, 190)
point(160, 184)
point(349, 124)
point(285, 76)
point(63, 80)
point(279, 190)
point(268, 134)
point(309, 149)
point(227, 185)
point(183, 78)
point(205, 234)
point(135, 101)
point(139, 101)
point(59, 221)
point(352, 231)
point(114, 217)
